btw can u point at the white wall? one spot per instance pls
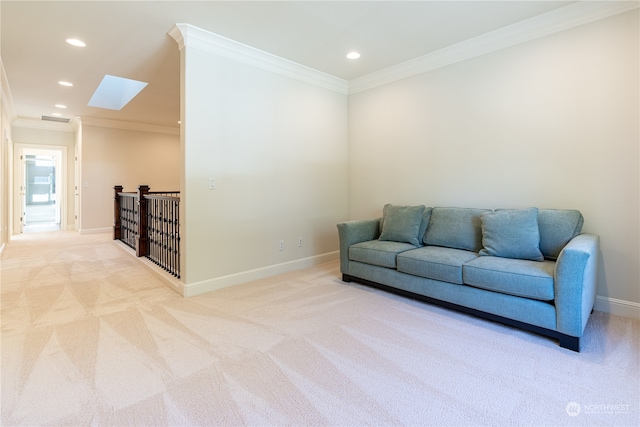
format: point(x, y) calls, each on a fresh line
point(5, 162)
point(7, 114)
point(129, 158)
point(277, 148)
point(552, 123)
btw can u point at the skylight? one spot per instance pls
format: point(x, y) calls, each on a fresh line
point(114, 92)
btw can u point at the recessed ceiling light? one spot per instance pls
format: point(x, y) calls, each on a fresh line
point(353, 55)
point(76, 42)
point(65, 84)
point(60, 106)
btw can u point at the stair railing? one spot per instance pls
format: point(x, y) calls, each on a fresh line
point(149, 223)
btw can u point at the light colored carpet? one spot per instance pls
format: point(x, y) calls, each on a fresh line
point(92, 337)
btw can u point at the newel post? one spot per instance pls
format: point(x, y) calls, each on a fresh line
point(142, 240)
point(117, 225)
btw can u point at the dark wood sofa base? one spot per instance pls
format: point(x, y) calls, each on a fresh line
point(566, 341)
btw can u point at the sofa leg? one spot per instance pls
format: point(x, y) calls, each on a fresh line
point(569, 342)
point(346, 278)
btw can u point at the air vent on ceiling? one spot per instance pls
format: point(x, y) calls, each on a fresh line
point(56, 119)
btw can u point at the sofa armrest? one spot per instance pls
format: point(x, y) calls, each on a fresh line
point(575, 283)
point(352, 232)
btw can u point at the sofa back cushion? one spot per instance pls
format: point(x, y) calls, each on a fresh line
point(458, 228)
point(511, 233)
point(426, 217)
point(557, 227)
point(402, 224)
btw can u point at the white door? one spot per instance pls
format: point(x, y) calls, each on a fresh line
point(76, 190)
point(23, 191)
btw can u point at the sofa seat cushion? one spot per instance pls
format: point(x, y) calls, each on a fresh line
point(523, 278)
point(378, 252)
point(433, 262)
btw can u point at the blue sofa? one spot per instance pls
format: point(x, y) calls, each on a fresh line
point(529, 268)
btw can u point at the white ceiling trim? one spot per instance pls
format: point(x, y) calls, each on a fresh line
point(564, 18)
point(141, 127)
point(5, 93)
point(192, 36)
point(76, 123)
point(32, 123)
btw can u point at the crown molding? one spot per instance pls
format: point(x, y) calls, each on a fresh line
point(573, 15)
point(141, 127)
point(5, 93)
point(187, 35)
point(76, 123)
point(33, 123)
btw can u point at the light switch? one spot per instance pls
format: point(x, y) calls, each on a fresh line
point(212, 183)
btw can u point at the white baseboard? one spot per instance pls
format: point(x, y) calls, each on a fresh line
point(96, 230)
point(209, 285)
point(205, 286)
point(167, 278)
point(618, 307)
point(613, 306)
point(163, 275)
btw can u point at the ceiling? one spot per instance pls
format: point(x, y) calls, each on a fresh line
point(129, 39)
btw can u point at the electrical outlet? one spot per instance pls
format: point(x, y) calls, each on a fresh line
point(281, 245)
point(300, 241)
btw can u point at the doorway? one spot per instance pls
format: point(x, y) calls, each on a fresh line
point(41, 201)
point(41, 189)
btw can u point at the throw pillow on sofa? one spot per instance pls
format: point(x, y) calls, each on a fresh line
point(457, 228)
point(511, 234)
point(402, 223)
